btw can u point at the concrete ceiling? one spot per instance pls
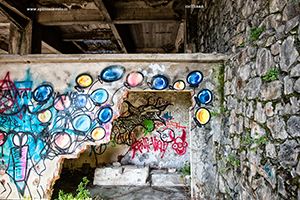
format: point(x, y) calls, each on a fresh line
point(94, 26)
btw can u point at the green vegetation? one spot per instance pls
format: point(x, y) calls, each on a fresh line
point(260, 141)
point(243, 44)
point(81, 195)
point(255, 33)
point(218, 112)
point(186, 169)
point(272, 75)
point(231, 161)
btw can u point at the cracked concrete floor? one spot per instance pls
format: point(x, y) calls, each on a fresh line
point(69, 181)
point(138, 193)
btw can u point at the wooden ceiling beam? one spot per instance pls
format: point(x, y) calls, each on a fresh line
point(103, 10)
point(70, 17)
point(52, 38)
point(92, 35)
point(143, 21)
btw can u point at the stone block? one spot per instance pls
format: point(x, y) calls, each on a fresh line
point(288, 154)
point(271, 91)
point(288, 85)
point(277, 127)
point(295, 71)
point(293, 126)
point(280, 32)
point(166, 180)
point(288, 54)
point(259, 114)
point(253, 87)
point(250, 109)
point(275, 48)
point(277, 5)
point(290, 11)
point(271, 151)
point(292, 23)
point(269, 109)
point(297, 86)
point(125, 175)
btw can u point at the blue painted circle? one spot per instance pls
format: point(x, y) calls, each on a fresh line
point(112, 73)
point(42, 93)
point(160, 82)
point(105, 114)
point(99, 96)
point(205, 96)
point(82, 123)
point(81, 101)
point(194, 78)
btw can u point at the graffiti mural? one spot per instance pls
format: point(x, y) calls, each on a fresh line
point(39, 124)
point(143, 116)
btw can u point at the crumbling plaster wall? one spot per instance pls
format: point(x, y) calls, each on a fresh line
point(53, 107)
point(258, 156)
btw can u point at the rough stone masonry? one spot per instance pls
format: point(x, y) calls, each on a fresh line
point(258, 155)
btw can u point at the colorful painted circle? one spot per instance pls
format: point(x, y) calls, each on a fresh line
point(112, 73)
point(203, 116)
point(134, 79)
point(205, 96)
point(2, 138)
point(42, 93)
point(159, 82)
point(81, 101)
point(98, 133)
point(62, 140)
point(84, 80)
point(179, 85)
point(62, 102)
point(82, 123)
point(99, 96)
point(194, 77)
point(45, 116)
point(105, 114)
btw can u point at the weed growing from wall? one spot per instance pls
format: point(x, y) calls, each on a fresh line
point(272, 75)
point(256, 32)
point(260, 141)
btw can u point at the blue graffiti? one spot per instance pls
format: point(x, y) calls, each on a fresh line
point(159, 82)
point(112, 73)
point(105, 114)
point(194, 78)
point(205, 96)
point(99, 96)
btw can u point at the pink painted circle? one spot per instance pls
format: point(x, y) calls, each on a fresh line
point(62, 140)
point(134, 79)
point(62, 102)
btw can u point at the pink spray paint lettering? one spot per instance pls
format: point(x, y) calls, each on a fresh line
point(180, 145)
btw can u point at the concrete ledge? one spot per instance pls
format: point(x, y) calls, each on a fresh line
point(71, 58)
point(166, 180)
point(124, 176)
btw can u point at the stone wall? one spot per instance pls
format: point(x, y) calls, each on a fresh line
point(259, 148)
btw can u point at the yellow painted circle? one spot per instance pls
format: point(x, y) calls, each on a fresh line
point(98, 133)
point(202, 115)
point(84, 80)
point(45, 116)
point(179, 85)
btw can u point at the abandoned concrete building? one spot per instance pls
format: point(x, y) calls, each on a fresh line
point(203, 94)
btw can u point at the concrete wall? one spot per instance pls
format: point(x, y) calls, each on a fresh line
point(52, 107)
point(259, 150)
